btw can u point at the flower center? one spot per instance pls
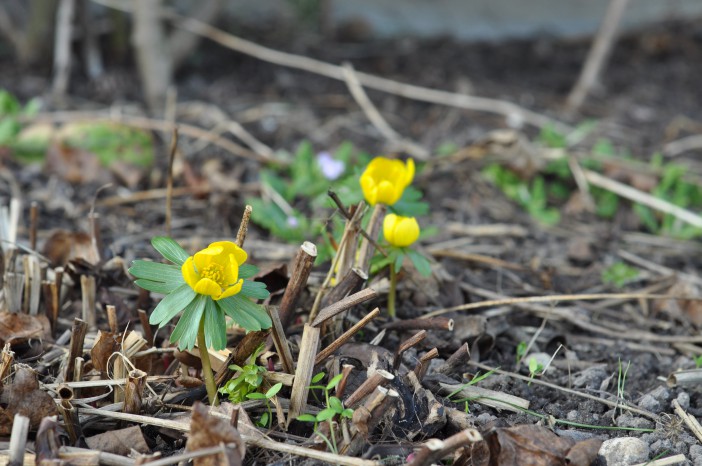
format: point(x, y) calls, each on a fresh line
point(214, 272)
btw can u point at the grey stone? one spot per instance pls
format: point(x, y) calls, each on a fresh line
point(696, 454)
point(591, 377)
point(627, 420)
point(649, 403)
point(572, 416)
point(624, 451)
point(484, 418)
point(684, 400)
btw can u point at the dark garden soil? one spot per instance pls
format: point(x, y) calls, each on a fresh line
point(604, 355)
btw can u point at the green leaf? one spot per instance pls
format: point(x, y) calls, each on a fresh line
point(420, 262)
point(325, 414)
point(399, 259)
point(247, 270)
point(157, 272)
point(9, 128)
point(215, 326)
point(335, 404)
point(256, 396)
point(335, 381)
point(254, 310)
point(318, 377)
point(264, 420)
point(255, 290)
point(306, 418)
point(157, 287)
point(169, 249)
point(171, 305)
point(409, 204)
point(347, 413)
point(242, 319)
point(185, 332)
point(273, 391)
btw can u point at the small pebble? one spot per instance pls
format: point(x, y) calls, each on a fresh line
point(649, 403)
point(684, 400)
point(624, 451)
point(696, 454)
point(627, 420)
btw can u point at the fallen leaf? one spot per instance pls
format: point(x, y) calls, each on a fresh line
point(209, 431)
point(17, 327)
point(23, 396)
point(527, 446)
point(583, 453)
point(64, 246)
point(119, 442)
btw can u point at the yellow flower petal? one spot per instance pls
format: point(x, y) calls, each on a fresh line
point(231, 270)
point(232, 290)
point(208, 287)
point(384, 180)
point(400, 231)
point(189, 274)
point(227, 247)
point(205, 257)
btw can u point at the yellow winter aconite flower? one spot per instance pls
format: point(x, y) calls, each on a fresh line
point(384, 180)
point(400, 231)
point(214, 271)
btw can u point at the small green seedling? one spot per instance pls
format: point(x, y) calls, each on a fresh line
point(619, 274)
point(535, 368)
point(334, 408)
point(478, 377)
point(521, 351)
point(248, 381)
point(698, 361)
point(267, 416)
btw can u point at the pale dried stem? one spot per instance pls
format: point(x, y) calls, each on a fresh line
point(78, 331)
point(302, 266)
point(87, 288)
point(378, 378)
point(169, 179)
point(407, 344)
point(435, 323)
point(690, 421)
point(346, 336)
point(304, 371)
point(421, 368)
point(244, 226)
point(367, 247)
point(280, 342)
point(434, 449)
point(345, 304)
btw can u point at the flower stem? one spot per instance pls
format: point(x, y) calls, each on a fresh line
point(206, 366)
point(391, 293)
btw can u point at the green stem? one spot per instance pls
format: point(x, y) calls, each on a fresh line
point(391, 293)
point(206, 366)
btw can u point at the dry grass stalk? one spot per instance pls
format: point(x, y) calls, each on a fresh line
point(407, 344)
point(69, 413)
point(350, 283)
point(133, 391)
point(302, 265)
point(305, 369)
point(685, 378)
point(244, 226)
point(690, 421)
point(434, 449)
point(78, 331)
point(367, 247)
point(367, 417)
point(280, 342)
point(33, 224)
point(460, 356)
point(421, 368)
point(349, 232)
point(148, 332)
point(343, 338)
point(343, 305)
point(346, 369)
point(436, 323)
point(378, 378)
point(7, 357)
point(18, 440)
point(14, 286)
point(87, 288)
point(169, 179)
point(422, 94)
point(276, 377)
point(487, 397)
point(675, 459)
point(253, 438)
point(131, 345)
point(612, 404)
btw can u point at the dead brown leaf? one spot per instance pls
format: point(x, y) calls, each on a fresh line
point(75, 165)
point(23, 396)
point(119, 442)
point(64, 246)
point(106, 344)
point(527, 446)
point(583, 453)
point(209, 431)
point(16, 327)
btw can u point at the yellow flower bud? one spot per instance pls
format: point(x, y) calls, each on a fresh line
point(384, 180)
point(400, 231)
point(214, 271)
